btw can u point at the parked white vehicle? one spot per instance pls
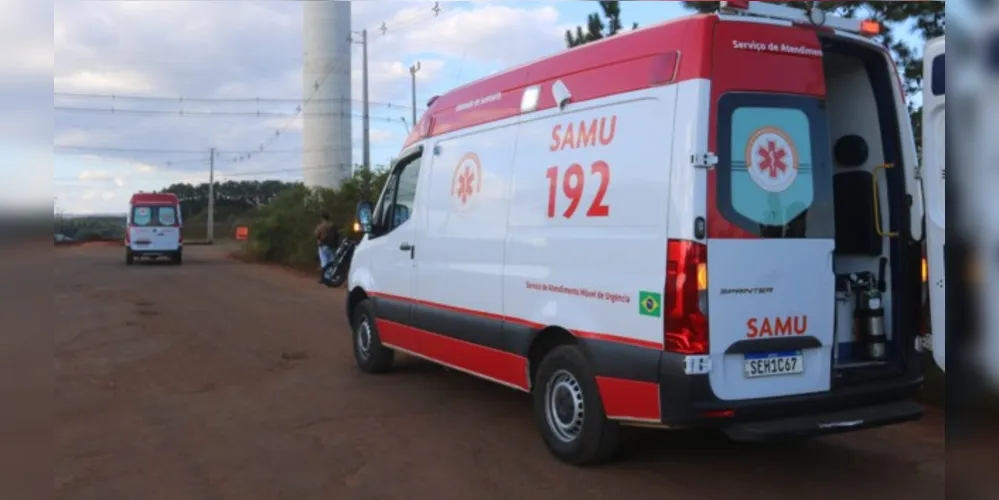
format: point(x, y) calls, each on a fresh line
point(933, 177)
point(715, 221)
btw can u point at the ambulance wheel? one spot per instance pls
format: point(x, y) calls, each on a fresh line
point(568, 409)
point(369, 353)
point(177, 258)
point(129, 258)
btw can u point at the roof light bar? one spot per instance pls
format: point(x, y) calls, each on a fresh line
point(799, 16)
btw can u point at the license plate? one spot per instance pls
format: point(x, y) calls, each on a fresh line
point(769, 364)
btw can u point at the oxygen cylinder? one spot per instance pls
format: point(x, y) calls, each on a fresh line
point(871, 313)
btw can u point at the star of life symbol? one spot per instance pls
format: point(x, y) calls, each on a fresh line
point(467, 180)
point(772, 159)
point(466, 184)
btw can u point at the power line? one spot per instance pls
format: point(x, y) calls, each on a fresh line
point(203, 161)
point(280, 171)
point(99, 149)
point(221, 175)
point(183, 113)
point(208, 114)
point(384, 28)
point(252, 100)
point(262, 148)
point(180, 99)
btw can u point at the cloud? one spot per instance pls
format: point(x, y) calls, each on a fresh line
point(113, 82)
point(144, 168)
point(99, 175)
point(252, 49)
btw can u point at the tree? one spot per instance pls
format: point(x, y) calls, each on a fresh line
point(281, 230)
point(595, 27)
point(231, 197)
point(926, 19)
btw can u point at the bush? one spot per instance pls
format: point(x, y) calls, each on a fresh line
point(282, 230)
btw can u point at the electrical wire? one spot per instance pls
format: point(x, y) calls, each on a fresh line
point(98, 149)
point(384, 28)
point(213, 114)
point(202, 161)
point(184, 113)
point(252, 100)
point(436, 10)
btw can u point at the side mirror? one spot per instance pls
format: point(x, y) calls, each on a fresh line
point(365, 210)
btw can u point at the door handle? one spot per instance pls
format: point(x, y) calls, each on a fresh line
point(406, 247)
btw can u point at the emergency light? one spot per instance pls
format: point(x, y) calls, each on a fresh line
point(812, 17)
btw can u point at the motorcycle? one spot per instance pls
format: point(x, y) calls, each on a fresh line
point(335, 272)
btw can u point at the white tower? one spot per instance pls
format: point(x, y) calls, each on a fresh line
point(326, 136)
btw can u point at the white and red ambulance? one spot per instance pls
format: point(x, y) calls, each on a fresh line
point(715, 221)
point(933, 176)
point(153, 228)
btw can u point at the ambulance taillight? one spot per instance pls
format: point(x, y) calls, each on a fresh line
point(685, 319)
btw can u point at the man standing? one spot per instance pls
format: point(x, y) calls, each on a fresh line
point(326, 236)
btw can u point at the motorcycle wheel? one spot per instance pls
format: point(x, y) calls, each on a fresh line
point(338, 278)
point(330, 276)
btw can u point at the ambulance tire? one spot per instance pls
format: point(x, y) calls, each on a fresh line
point(177, 258)
point(369, 353)
point(569, 412)
point(129, 258)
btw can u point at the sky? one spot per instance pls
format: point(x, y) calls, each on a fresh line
point(232, 50)
point(254, 49)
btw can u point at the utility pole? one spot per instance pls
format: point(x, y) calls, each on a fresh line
point(211, 197)
point(366, 113)
point(364, 92)
point(412, 71)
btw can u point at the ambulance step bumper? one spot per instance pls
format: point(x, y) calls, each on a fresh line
point(826, 423)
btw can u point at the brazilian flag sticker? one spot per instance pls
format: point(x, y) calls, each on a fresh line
point(650, 304)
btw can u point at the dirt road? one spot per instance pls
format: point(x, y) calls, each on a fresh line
point(219, 379)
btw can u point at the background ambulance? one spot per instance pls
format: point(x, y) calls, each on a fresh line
point(153, 228)
point(715, 222)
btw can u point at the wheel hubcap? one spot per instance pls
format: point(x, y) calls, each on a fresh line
point(564, 406)
point(364, 338)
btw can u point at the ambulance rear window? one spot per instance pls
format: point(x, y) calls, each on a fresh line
point(142, 216)
point(167, 216)
point(773, 178)
point(772, 181)
point(154, 216)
